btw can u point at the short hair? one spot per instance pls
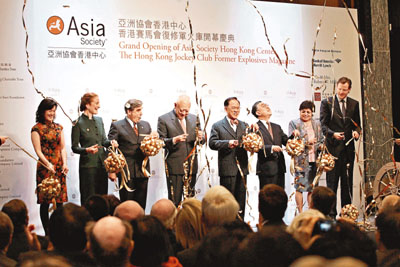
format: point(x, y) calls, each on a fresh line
point(218, 206)
point(388, 224)
point(346, 239)
point(220, 245)
point(42, 259)
point(131, 104)
point(151, 238)
point(165, 211)
point(6, 230)
point(46, 104)
point(307, 104)
point(67, 227)
point(271, 246)
point(229, 99)
point(86, 99)
point(323, 199)
point(254, 108)
point(97, 206)
point(113, 202)
point(272, 202)
point(18, 213)
point(189, 228)
point(344, 80)
point(107, 257)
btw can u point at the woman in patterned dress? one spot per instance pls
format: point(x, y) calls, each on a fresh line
point(49, 144)
point(310, 131)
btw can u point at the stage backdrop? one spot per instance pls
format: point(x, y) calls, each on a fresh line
point(142, 49)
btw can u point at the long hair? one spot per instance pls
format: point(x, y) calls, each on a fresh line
point(46, 104)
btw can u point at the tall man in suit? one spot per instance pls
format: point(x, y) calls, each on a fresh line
point(129, 132)
point(340, 120)
point(271, 166)
point(226, 136)
point(177, 129)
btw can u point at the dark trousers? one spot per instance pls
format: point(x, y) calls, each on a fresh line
point(175, 183)
point(278, 179)
point(92, 181)
point(344, 171)
point(44, 215)
point(236, 186)
point(139, 194)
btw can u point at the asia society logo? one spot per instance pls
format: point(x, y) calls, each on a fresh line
point(55, 25)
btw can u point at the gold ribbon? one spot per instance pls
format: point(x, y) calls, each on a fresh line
point(247, 191)
point(144, 170)
point(124, 178)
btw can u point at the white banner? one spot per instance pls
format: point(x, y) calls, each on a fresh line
point(142, 49)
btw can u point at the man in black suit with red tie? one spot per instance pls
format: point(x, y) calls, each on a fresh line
point(130, 132)
point(271, 166)
point(340, 120)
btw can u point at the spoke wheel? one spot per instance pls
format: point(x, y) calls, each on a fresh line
point(387, 182)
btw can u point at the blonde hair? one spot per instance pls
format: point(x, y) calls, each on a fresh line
point(188, 225)
point(296, 223)
point(218, 207)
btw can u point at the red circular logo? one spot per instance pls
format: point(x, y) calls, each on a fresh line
point(55, 25)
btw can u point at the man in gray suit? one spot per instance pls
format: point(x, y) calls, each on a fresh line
point(226, 136)
point(177, 129)
point(130, 132)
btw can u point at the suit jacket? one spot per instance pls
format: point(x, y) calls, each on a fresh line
point(86, 133)
point(168, 127)
point(129, 144)
point(332, 123)
point(221, 134)
point(271, 163)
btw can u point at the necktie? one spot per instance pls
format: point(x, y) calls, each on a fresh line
point(183, 125)
point(270, 130)
point(135, 129)
point(343, 108)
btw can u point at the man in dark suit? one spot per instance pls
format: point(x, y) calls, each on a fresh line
point(178, 130)
point(340, 120)
point(226, 136)
point(129, 133)
point(271, 166)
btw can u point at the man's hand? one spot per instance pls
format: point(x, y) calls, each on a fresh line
point(179, 138)
point(296, 133)
point(255, 127)
point(397, 141)
point(112, 176)
point(114, 143)
point(338, 135)
point(3, 139)
point(233, 143)
point(276, 149)
point(200, 135)
point(356, 135)
point(154, 134)
point(32, 238)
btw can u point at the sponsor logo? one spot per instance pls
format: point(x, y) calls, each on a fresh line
point(55, 25)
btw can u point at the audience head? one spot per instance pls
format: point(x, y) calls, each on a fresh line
point(67, 228)
point(345, 239)
point(152, 245)
point(317, 261)
point(388, 224)
point(164, 210)
point(6, 231)
point(110, 241)
point(271, 246)
point(129, 210)
point(41, 259)
point(220, 244)
point(390, 201)
point(272, 203)
point(296, 223)
point(218, 206)
point(97, 206)
point(18, 213)
point(189, 228)
point(322, 199)
point(113, 202)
